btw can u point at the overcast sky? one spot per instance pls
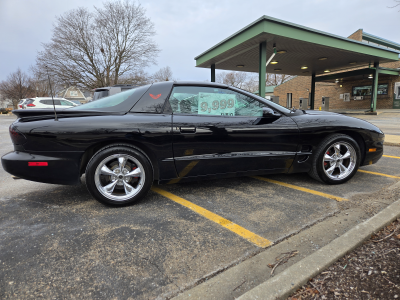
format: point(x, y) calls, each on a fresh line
point(186, 28)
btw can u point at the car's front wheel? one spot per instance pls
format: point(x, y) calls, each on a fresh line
point(336, 160)
point(118, 176)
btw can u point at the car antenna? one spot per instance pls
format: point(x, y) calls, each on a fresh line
point(55, 114)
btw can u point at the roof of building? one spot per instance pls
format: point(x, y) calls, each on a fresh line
point(380, 41)
point(270, 88)
point(319, 51)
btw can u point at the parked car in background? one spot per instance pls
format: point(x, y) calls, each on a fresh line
point(46, 102)
point(111, 90)
point(21, 102)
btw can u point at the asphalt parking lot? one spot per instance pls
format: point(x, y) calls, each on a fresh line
point(57, 240)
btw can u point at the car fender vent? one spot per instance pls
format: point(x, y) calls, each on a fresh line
point(304, 154)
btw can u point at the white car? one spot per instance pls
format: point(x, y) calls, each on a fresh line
point(21, 103)
point(46, 102)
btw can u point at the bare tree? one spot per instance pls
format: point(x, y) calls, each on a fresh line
point(94, 49)
point(40, 83)
point(398, 4)
point(276, 79)
point(242, 80)
point(139, 77)
point(164, 74)
point(249, 81)
point(16, 87)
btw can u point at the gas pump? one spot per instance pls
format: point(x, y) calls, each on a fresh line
point(325, 103)
point(396, 98)
point(303, 102)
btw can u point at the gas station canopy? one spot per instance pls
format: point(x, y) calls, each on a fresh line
point(304, 47)
point(299, 51)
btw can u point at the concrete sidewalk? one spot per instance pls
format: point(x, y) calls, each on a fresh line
point(392, 140)
point(364, 111)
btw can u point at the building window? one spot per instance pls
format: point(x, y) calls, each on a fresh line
point(366, 90)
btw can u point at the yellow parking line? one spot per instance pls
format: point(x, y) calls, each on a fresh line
point(398, 157)
point(244, 233)
point(299, 188)
point(380, 174)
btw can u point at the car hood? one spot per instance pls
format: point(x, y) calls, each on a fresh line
point(338, 119)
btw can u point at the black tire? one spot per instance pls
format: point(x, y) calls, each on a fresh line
point(320, 169)
point(112, 185)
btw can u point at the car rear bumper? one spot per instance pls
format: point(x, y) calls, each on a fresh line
point(59, 170)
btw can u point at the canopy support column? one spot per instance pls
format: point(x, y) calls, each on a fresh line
point(262, 68)
point(312, 94)
point(213, 73)
point(374, 91)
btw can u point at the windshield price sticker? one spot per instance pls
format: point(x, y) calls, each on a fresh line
point(217, 104)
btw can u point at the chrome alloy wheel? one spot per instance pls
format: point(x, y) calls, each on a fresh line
point(119, 177)
point(339, 161)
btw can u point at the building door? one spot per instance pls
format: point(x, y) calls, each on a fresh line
point(289, 100)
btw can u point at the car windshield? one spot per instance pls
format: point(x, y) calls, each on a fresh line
point(106, 102)
point(269, 102)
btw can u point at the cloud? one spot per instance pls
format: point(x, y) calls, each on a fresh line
point(185, 29)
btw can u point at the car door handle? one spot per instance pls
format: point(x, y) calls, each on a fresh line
point(189, 129)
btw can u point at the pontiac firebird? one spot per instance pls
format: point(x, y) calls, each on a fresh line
point(179, 131)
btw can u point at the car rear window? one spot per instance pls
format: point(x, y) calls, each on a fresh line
point(119, 102)
point(153, 100)
point(30, 101)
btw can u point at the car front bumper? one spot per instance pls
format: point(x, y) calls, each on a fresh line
point(376, 145)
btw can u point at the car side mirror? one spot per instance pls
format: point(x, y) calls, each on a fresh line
point(269, 112)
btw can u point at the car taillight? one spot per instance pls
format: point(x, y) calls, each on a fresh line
point(38, 163)
point(20, 106)
point(31, 105)
point(17, 137)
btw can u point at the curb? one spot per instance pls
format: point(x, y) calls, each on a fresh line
point(284, 284)
point(391, 144)
point(392, 140)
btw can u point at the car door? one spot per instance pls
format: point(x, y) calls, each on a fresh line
point(217, 130)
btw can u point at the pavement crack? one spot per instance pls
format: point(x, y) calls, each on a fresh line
point(159, 270)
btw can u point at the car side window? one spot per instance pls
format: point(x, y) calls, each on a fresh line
point(66, 103)
point(213, 101)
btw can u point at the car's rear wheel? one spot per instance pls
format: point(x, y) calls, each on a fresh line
point(336, 160)
point(118, 176)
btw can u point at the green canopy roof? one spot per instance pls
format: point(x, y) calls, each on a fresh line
point(305, 47)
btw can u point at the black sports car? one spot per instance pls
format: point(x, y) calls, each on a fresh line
point(177, 131)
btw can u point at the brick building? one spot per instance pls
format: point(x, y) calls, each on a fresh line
point(342, 90)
